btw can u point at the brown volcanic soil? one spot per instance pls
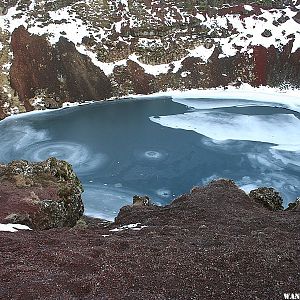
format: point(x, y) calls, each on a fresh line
point(214, 243)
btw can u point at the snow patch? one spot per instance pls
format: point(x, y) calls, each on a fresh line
point(13, 227)
point(136, 227)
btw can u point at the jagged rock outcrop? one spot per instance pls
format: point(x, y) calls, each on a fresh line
point(276, 67)
point(81, 80)
point(141, 200)
point(40, 195)
point(267, 197)
point(208, 244)
point(34, 66)
point(56, 74)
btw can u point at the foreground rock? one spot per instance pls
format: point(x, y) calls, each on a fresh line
point(295, 206)
point(41, 195)
point(267, 197)
point(214, 243)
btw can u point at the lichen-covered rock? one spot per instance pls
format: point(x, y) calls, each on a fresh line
point(267, 197)
point(141, 200)
point(41, 195)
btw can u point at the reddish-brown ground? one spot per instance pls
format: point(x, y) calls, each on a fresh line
point(214, 243)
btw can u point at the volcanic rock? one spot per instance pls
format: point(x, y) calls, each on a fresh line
point(267, 33)
point(212, 243)
point(208, 244)
point(40, 195)
point(294, 206)
point(267, 197)
point(58, 74)
point(141, 200)
point(297, 17)
point(283, 19)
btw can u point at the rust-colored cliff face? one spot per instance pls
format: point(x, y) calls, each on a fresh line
point(276, 67)
point(60, 73)
point(34, 65)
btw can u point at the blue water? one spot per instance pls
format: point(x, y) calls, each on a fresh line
point(123, 148)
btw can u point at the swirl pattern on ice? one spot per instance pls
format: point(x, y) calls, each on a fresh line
point(20, 136)
point(77, 155)
point(164, 193)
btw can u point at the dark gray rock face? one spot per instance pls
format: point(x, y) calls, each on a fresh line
point(267, 197)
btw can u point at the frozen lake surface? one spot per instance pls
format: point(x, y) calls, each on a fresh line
point(162, 147)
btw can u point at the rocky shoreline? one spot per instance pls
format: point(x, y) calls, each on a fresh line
point(214, 242)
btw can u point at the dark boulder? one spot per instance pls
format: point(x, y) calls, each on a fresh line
point(297, 18)
point(267, 33)
point(41, 195)
point(267, 197)
point(141, 200)
point(294, 206)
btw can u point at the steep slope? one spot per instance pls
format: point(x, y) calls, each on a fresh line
point(91, 50)
point(213, 243)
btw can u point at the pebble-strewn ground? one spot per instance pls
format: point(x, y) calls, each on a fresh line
point(214, 243)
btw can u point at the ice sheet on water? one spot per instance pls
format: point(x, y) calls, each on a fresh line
point(211, 103)
point(224, 126)
point(288, 98)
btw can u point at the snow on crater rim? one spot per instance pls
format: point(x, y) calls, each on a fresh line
point(76, 25)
